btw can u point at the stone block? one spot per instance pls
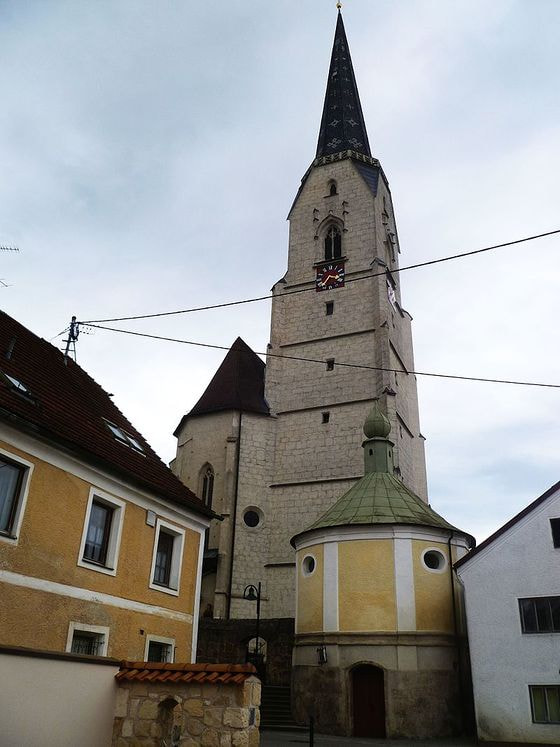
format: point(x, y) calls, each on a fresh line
point(225, 740)
point(155, 729)
point(121, 702)
point(194, 707)
point(213, 716)
point(237, 718)
point(240, 739)
point(194, 727)
point(148, 709)
point(254, 737)
point(142, 728)
point(127, 729)
point(210, 738)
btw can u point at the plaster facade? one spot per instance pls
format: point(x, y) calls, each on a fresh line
point(379, 605)
point(42, 567)
point(520, 563)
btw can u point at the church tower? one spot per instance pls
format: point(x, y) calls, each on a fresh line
point(272, 449)
point(339, 302)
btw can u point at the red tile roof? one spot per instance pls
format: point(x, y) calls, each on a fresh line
point(156, 671)
point(67, 407)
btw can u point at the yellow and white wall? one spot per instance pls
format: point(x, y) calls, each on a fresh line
point(47, 590)
point(375, 580)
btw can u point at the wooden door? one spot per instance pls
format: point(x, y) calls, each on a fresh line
point(368, 697)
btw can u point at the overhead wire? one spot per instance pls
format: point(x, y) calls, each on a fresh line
point(336, 363)
point(307, 290)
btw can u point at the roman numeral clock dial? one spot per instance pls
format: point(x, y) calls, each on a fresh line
point(329, 276)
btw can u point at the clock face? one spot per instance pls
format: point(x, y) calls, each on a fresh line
point(330, 276)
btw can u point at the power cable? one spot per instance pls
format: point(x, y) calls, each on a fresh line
point(306, 290)
point(336, 363)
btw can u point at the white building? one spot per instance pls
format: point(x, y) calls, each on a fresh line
point(512, 589)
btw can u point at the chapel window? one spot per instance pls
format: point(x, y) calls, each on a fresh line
point(332, 189)
point(208, 486)
point(333, 243)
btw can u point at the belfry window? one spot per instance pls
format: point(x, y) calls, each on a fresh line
point(332, 189)
point(333, 243)
point(208, 486)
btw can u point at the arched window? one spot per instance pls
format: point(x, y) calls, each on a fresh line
point(333, 243)
point(332, 189)
point(207, 485)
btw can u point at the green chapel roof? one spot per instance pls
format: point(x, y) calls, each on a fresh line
point(380, 498)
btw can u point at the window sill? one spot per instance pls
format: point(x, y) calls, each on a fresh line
point(98, 567)
point(165, 589)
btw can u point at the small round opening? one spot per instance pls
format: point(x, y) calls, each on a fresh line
point(251, 518)
point(434, 560)
point(308, 565)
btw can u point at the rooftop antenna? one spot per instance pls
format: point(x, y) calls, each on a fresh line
point(6, 248)
point(73, 332)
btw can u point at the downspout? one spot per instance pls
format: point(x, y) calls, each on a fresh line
point(237, 459)
point(456, 630)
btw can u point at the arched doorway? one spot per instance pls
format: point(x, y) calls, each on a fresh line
point(368, 701)
point(257, 655)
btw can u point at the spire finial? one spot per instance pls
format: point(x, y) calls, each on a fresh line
point(339, 5)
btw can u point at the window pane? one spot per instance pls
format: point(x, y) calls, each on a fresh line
point(164, 552)
point(9, 484)
point(555, 526)
point(528, 615)
point(544, 618)
point(539, 704)
point(84, 643)
point(553, 703)
point(97, 538)
point(159, 651)
point(555, 609)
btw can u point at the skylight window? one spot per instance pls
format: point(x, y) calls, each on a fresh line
point(16, 386)
point(125, 438)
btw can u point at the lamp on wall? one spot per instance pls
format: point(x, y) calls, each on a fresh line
point(322, 655)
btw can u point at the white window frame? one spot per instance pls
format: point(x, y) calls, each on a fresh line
point(113, 547)
point(439, 551)
point(304, 572)
point(159, 639)
point(83, 627)
point(176, 557)
point(22, 497)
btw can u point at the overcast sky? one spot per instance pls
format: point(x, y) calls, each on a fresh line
point(150, 151)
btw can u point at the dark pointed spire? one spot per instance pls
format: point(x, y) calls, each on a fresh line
point(342, 125)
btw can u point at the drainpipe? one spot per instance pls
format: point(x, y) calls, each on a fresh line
point(237, 458)
point(456, 630)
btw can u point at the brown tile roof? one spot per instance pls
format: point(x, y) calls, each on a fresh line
point(238, 384)
point(156, 671)
point(67, 407)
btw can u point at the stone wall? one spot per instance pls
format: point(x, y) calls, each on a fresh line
point(417, 704)
point(187, 715)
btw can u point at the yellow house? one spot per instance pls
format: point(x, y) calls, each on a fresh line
point(100, 544)
point(378, 611)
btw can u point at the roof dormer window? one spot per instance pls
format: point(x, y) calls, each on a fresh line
point(17, 386)
point(123, 437)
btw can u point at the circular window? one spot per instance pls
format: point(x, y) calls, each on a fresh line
point(308, 565)
point(434, 560)
point(252, 518)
